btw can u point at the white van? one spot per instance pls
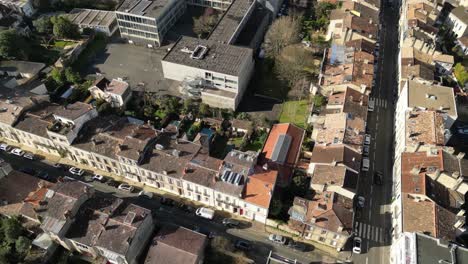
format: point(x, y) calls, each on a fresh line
point(370, 105)
point(365, 164)
point(205, 213)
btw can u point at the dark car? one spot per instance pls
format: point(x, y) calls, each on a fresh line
point(167, 201)
point(297, 246)
point(229, 222)
point(29, 171)
point(43, 175)
point(243, 245)
point(186, 208)
point(378, 177)
point(113, 183)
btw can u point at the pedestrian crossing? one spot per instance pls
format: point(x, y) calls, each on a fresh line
point(380, 102)
point(369, 232)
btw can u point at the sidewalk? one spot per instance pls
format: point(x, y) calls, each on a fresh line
point(326, 250)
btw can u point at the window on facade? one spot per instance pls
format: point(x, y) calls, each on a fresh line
point(208, 75)
point(333, 243)
point(336, 236)
point(98, 159)
point(321, 239)
point(323, 232)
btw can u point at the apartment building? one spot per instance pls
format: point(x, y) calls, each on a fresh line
point(24, 7)
point(326, 219)
point(109, 227)
point(421, 248)
point(457, 20)
point(147, 21)
point(218, 73)
point(98, 20)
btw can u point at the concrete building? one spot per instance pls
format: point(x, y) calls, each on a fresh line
point(219, 73)
point(146, 22)
point(24, 7)
point(98, 20)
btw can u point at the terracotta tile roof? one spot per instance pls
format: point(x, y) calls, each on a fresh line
point(361, 45)
point(342, 128)
point(330, 175)
point(296, 134)
point(421, 71)
point(338, 153)
point(414, 166)
point(364, 25)
point(260, 186)
point(425, 127)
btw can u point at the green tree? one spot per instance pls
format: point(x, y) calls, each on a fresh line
point(188, 106)
point(12, 229)
point(204, 24)
point(64, 28)
point(72, 76)
point(43, 25)
point(461, 74)
point(283, 32)
point(22, 246)
point(319, 100)
point(58, 76)
point(13, 46)
point(275, 206)
point(204, 109)
point(170, 104)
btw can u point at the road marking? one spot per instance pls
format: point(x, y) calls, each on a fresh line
point(367, 260)
point(368, 230)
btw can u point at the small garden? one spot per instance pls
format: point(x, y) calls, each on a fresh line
point(295, 112)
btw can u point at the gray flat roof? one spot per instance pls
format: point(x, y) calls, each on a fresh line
point(229, 23)
point(433, 250)
point(89, 17)
point(222, 58)
point(147, 8)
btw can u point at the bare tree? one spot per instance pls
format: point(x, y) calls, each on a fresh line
point(205, 23)
point(294, 64)
point(283, 32)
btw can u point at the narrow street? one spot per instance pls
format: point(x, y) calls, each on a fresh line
point(374, 223)
point(174, 215)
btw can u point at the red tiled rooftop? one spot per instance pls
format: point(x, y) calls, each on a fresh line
point(296, 135)
point(259, 187)
point(414, 166)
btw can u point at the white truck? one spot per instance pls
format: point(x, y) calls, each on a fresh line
point(205, 213)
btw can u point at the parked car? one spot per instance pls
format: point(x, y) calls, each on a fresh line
point(243, 245)
point(29, 156)
point(167, 201)
point(205, 213)
point(186, 208)
point(277, 239)
point(365, 164)
point(99, 178)
point(76, 171)
point(357, 245)
point(43, 175)
point(113, 183)
point(28, 170)
point(17, 152)
point(370, 105)
point(367, 139)
point(57, 165)
point(361, 201)
point(229, 222)
point(126, 187)
point(297, 246)
point(365, 151)
point(209, 234)
point(378, 177)
point(5, 147)
point(145, 194)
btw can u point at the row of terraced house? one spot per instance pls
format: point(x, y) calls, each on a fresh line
point(429, 177)
point(346, 80)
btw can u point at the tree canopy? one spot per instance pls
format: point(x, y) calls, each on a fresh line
point(13, 46)
point(460, 72)
point(294, 64)
point(64, 28)
point(283, 32)
point(14, 246)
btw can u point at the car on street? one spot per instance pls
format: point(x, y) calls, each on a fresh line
point(145, 194)
point(298, 246)
point(29, 156)
point(357, 242)
point(463, 130)
point(28, 170)
point(361, 201)
point(378, 177)
point(365, 151)
point(365, 164)
point(186, 208)
point(76, 171)
point(205, 212)
point(367, 139)
point(277, 239)
point(99, 178)
point(243, 245)
point(113, 183)
point(17, 152)
point(209, 234)
point(167, 201)
point(43, 175)
point(5, 147)
point(229, 222)
point(126, 187)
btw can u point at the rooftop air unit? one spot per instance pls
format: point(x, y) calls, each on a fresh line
point(199, 52)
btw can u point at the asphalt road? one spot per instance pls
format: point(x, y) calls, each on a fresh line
point(374, 223)
point(174, 215)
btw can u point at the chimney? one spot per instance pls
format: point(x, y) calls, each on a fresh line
point(313, 220)
point(340, 228)
point(437, 174)
point(455, 174)
point(450, 150)
point(415, 170)
point(461, 155)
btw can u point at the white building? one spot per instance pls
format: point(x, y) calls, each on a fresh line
point(222, 71)
point(116, 92)
point(98, 20)
point(458, 21)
